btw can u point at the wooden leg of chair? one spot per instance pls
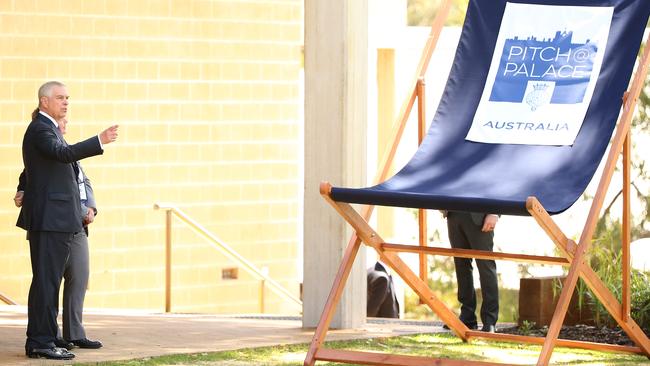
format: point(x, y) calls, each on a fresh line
point(372, 239)
point(333, 299)
point(560, 311)
point(545, 221)
point(542, 217)
point(564, 244)
point(426, 295)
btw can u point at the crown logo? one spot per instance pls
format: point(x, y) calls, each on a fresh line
point(540, 87)
point(538, 96)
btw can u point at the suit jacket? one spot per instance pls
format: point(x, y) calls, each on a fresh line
point(51, 201)
point(477, 217)
point(86, 205)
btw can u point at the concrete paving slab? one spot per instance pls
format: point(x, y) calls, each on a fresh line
point(130, 335)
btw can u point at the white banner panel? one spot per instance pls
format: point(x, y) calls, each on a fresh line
point(544, 68)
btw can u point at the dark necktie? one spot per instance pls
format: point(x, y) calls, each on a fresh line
point(58, 134)
point(75, 165)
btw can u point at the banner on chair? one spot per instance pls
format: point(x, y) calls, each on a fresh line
point(543, 72)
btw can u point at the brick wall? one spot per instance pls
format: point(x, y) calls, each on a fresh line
point(207, 97)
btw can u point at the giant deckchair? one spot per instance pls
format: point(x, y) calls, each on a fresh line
point(530, 106)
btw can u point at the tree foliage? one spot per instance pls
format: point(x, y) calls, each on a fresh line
point(606, 258)
point(423, 12)
point(640, 181)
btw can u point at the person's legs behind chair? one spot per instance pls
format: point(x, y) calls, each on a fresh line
point(74, 292)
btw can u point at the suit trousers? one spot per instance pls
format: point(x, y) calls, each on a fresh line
point(75, 283)
point(49, 252)
point(465, 233)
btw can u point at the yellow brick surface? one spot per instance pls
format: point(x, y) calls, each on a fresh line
point(206, 96)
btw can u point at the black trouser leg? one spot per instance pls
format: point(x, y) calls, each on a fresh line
point(463, 266)
point(49, 252)
point(466, 292)
point(487, 270)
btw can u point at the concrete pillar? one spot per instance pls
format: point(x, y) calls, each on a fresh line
point(336, 82)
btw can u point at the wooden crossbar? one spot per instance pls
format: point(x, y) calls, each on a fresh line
point(374, 358)
point(594, 346)
point(478, 254)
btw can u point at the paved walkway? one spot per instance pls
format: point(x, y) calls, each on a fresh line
point(137, 335)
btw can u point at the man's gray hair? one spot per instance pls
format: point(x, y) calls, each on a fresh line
point(46, 89)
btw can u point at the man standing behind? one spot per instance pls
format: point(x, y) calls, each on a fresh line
point(470, 230)
point(51, 211)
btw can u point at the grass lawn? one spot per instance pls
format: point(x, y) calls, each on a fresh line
point(430, 345)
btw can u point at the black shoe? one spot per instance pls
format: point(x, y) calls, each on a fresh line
point(53, 353)
point(62, 343)
point(470, 326)
point(86, 343)
point(489, 328)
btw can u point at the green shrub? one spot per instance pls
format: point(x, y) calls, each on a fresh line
point(607, 263)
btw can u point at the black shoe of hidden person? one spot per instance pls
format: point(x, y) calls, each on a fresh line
point(489, 328)
point(470, 326)
point(86, 343)
point(62, 343)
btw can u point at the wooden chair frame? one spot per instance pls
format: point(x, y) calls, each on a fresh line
point(573, 254)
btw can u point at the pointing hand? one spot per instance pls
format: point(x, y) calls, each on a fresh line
point(108, 135)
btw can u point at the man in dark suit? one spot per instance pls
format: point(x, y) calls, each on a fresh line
point(382, 300)
point(77, 269)
point(50, 212)
point(469, 230)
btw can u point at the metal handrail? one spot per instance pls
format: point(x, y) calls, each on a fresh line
point(219, 245)
point(4, 298)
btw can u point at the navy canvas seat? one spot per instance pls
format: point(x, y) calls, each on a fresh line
point(450, 172)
